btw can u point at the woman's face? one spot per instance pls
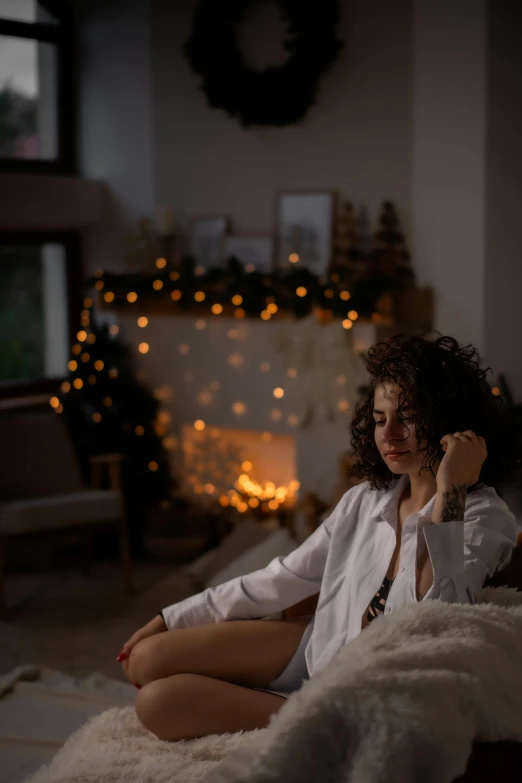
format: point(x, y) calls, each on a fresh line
point(395, 439)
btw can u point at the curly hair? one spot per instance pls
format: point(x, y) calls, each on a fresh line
point(444, 390)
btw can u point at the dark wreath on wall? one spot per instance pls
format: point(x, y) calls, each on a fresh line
point(277, 95)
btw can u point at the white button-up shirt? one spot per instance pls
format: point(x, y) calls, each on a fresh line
point(347, 557)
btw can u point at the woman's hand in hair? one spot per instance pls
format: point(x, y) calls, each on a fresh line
point(465, 453)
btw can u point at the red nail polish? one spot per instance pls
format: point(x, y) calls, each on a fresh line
point(121, 657)
point(136, 685)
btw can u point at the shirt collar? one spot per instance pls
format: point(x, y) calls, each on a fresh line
point(387, 507)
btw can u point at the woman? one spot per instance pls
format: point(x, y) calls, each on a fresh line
point(422, 526)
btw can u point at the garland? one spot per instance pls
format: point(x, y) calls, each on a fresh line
point(247, 294)
point(278, 95)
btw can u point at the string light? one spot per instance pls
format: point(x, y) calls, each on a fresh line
point(214, 385)
point(353, 315)
point(199, 425)
point(347, 324)
point(266, 436)
point(345, 295)
point(291, 372)
point(276, 414)
point(81, 336)
point(239, 312)
point(205, 397)
point(209, 489)
point(217, 309)
point(328, 293)
point(343, 405)
point(91, 379)
point(132, 296)
point(143, 347)
point(99, 285)
point(199, 270)
point(237, 299)
point(108, 296)
point(183, 348)
point(292, 420)
point(114, 329)
point(107, 401)
point(239, 408)
point(174, 275)
point(496, 391)
point(199, 296)
point(246, 466)
point(99, 365)
point(265, 315)
point(235, 359)
point(66, 387)
point(157, 285)
point(54, 402)
point(233, 333)
point(139, 430)
point(85, 357)
point(91, 338)
point(142, 321)
point(87, 302)
point(301, 291)
point(293, 258)
point(200, 324)
point(250, 268)
point(113, 373)
point(175, 295)
point(98, 273)
point(77, 383)
point(335, 277)
point(73, 365)
point(264, 366)
point(272, 308)
point(279, 392)
point(96, 417)
point(153, 466)
point(161, 263)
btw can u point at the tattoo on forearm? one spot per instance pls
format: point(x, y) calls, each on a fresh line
point(454, 502)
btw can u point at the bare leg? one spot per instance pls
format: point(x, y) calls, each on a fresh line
point(252, 653)
point(185, 706)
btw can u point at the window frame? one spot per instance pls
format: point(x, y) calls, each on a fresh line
point(71, 240)
point(61, 35)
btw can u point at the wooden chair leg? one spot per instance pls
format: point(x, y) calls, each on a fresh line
point(126, 559)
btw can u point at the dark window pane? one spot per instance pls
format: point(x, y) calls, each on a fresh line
point(33, 312)
point(26, 11)
point(28, 107)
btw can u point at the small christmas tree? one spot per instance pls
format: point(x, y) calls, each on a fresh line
point(390, 255)
point(108, 410)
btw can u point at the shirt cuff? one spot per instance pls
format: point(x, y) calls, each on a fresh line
point(445, 542)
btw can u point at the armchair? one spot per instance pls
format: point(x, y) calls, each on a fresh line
point(42, 491)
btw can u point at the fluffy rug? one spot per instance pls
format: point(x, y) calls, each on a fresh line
point(403, 702)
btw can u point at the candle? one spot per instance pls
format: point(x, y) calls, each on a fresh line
point(166, 222)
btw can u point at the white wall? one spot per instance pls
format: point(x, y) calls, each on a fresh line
point(503, 281)
point(356, 139)
point(448, 161)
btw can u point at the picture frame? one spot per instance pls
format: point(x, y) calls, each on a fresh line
point(255, 252)
point(305, 229)
point(207, 240)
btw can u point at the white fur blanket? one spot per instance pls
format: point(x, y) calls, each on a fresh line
point(402, 702)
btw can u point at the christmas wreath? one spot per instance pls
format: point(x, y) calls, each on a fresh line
point(277, 95)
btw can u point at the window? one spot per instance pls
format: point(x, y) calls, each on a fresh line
point(36, 106)
point(39, 304)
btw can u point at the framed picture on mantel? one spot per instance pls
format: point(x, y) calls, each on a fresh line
point(207, 241)
point(304, 229)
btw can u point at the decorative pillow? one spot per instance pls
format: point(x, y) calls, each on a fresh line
point(278, 543)
point(246, 535)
